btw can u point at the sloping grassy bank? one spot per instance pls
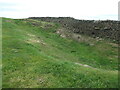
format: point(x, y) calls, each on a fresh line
point(34, 56)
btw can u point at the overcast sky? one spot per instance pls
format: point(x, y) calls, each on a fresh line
point(79, 9)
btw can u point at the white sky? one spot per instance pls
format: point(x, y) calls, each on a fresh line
point(79, 9)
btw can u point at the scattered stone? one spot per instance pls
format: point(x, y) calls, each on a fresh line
point(91, 44)
point(58, 32)
point(15, 50)
point(63, 36)
point(31, 35)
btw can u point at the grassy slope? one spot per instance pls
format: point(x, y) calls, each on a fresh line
point(0, 53)
point(35, 56)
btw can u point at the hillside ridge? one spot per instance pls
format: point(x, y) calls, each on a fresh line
point(95, 28)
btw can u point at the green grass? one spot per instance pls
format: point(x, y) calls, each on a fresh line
point(36, 57)
point(0, 53)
